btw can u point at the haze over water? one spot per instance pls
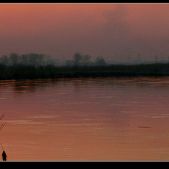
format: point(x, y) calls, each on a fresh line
point(86, 119)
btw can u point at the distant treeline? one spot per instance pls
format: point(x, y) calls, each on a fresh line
point(34, 59)
point(33, 66)
point(31, 59)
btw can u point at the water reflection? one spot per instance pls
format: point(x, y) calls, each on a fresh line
point(26, 86)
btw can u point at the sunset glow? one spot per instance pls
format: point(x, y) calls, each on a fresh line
point(115, 31)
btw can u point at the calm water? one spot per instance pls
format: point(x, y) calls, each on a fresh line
point(86, 119)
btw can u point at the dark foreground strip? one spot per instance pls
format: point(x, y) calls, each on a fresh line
point(80, 165)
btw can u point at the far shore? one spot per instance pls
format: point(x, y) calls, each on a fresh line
point(51, 71)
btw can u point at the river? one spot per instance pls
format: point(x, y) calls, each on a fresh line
point(85, 119)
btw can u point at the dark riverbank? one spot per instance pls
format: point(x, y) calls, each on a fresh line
point(50, 71)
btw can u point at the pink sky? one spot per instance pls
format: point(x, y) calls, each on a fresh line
point(115, 31)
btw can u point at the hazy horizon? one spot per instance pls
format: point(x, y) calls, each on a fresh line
point(118, 32)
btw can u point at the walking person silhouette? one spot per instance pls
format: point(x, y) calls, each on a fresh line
point(4, 156)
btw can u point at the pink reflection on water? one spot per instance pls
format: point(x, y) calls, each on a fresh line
point(91, 119)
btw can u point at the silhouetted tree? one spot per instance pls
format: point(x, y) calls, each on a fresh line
point(86, 60)
point(13, 59)
point(4, 60)
point(80, 60)
point(100, 61)
point(77, 59)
